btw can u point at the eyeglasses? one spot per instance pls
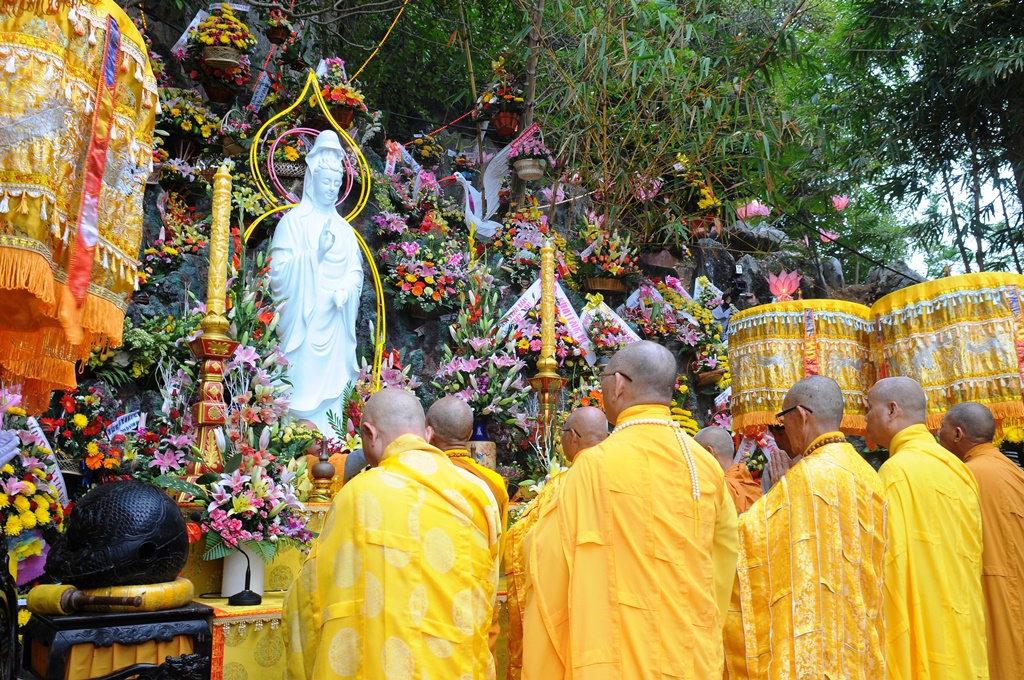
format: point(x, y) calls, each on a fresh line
point(569, 429)
point(606, 374)
point(782, 414)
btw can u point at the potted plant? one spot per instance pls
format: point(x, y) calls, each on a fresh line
point(606, 258)
point(529, 157)
point(185, 123)
point(221, 39)
point(343, 100)
point(279, 28)
point(697, 200)
point(426, 151)
point(501, 102)
point(238, 128)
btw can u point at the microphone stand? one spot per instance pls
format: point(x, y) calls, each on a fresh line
point(245, 597)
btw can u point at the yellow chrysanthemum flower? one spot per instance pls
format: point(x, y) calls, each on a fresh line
point(21, 503)
point(30, 488)
point(13, 526)
point(43, 515)
point(92, 449)
point(4, 501)
point(28, 519)
point(7, 469)
point(16, 411)
point(23, 616)
point(79, 420)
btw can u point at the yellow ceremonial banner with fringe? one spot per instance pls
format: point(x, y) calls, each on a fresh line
point(51, 63)
point(961, 337)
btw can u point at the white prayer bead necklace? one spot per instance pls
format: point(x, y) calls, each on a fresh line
point(694, 483)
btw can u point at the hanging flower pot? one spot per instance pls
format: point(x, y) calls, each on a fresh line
point(342, 115)
point(505, 123)
point(529, 169)
point(218, 94)
point(277, 35)
point(289, 170)
point(604, 284)
point(216, 56)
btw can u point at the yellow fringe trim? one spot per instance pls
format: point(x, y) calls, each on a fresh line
point(925, 292)
point(752, 421)
point(829, 305)
point(40, 6)
point(25, 271)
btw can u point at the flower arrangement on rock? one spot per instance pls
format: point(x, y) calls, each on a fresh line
point(529, 157)
point(606, 254)
point(214, 53)
point(76, 426)
point(664, 312)
point(343, 100)
point(426, 271)
point(501, 102)
point(426, 151)
point(526, 341)
point(518, 243)
point(185, 122)
point(693, 198)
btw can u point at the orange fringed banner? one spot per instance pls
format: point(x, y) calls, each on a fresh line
point(42, 185)
point(961, 337)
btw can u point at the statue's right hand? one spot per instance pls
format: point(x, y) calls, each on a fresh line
point(326, 240)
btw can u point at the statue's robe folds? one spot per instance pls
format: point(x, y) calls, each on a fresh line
point(402, 580)
point(320, 304)
point(515, 573)
point(808, 595)
point(461, 458)
point(1001, 489)
point(628, 575)
point(742, 487)
point(934, 607)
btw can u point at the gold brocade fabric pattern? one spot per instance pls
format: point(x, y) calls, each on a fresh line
point(401, 583)
point(808, 601)
point(767, 356)
point(50, 66)
point(515, 574)
point(957, 337)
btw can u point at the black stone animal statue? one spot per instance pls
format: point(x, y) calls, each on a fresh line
point(120, 534)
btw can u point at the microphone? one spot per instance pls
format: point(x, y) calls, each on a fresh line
point(245, 597)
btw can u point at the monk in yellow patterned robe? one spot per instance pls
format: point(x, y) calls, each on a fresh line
point(808, 596)
point(449, 427)
point(742, 487)
point(967, 432)
point(630, 565)
point(934, 607)
point(585, 427)
point(401, 582)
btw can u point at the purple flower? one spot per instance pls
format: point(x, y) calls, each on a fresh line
point(167, 460)
point(246, 356)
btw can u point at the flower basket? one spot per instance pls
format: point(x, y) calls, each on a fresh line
point(289, 170)
point(710, 377)
point(604, 284)
point(218, 94)
point(342, 115)
point(529, 169)
point(505, 123)
point(216, 56)
point(231, 147)
point(277, 35)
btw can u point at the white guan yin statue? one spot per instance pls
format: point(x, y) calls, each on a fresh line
point(316, 272)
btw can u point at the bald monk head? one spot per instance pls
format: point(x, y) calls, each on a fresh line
point(449, 423)
point(812, 407)
point(388, 415)
point(965, 426)
point(642, 372)
point(718, 443)
point(585, 427)
point(894, 404)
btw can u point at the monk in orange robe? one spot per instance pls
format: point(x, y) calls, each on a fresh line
point(585, 427)
point(967, 432)
point(742, 487)
point(934, 606)
point(630, 566)
point(449, 427)
point(808, 596)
